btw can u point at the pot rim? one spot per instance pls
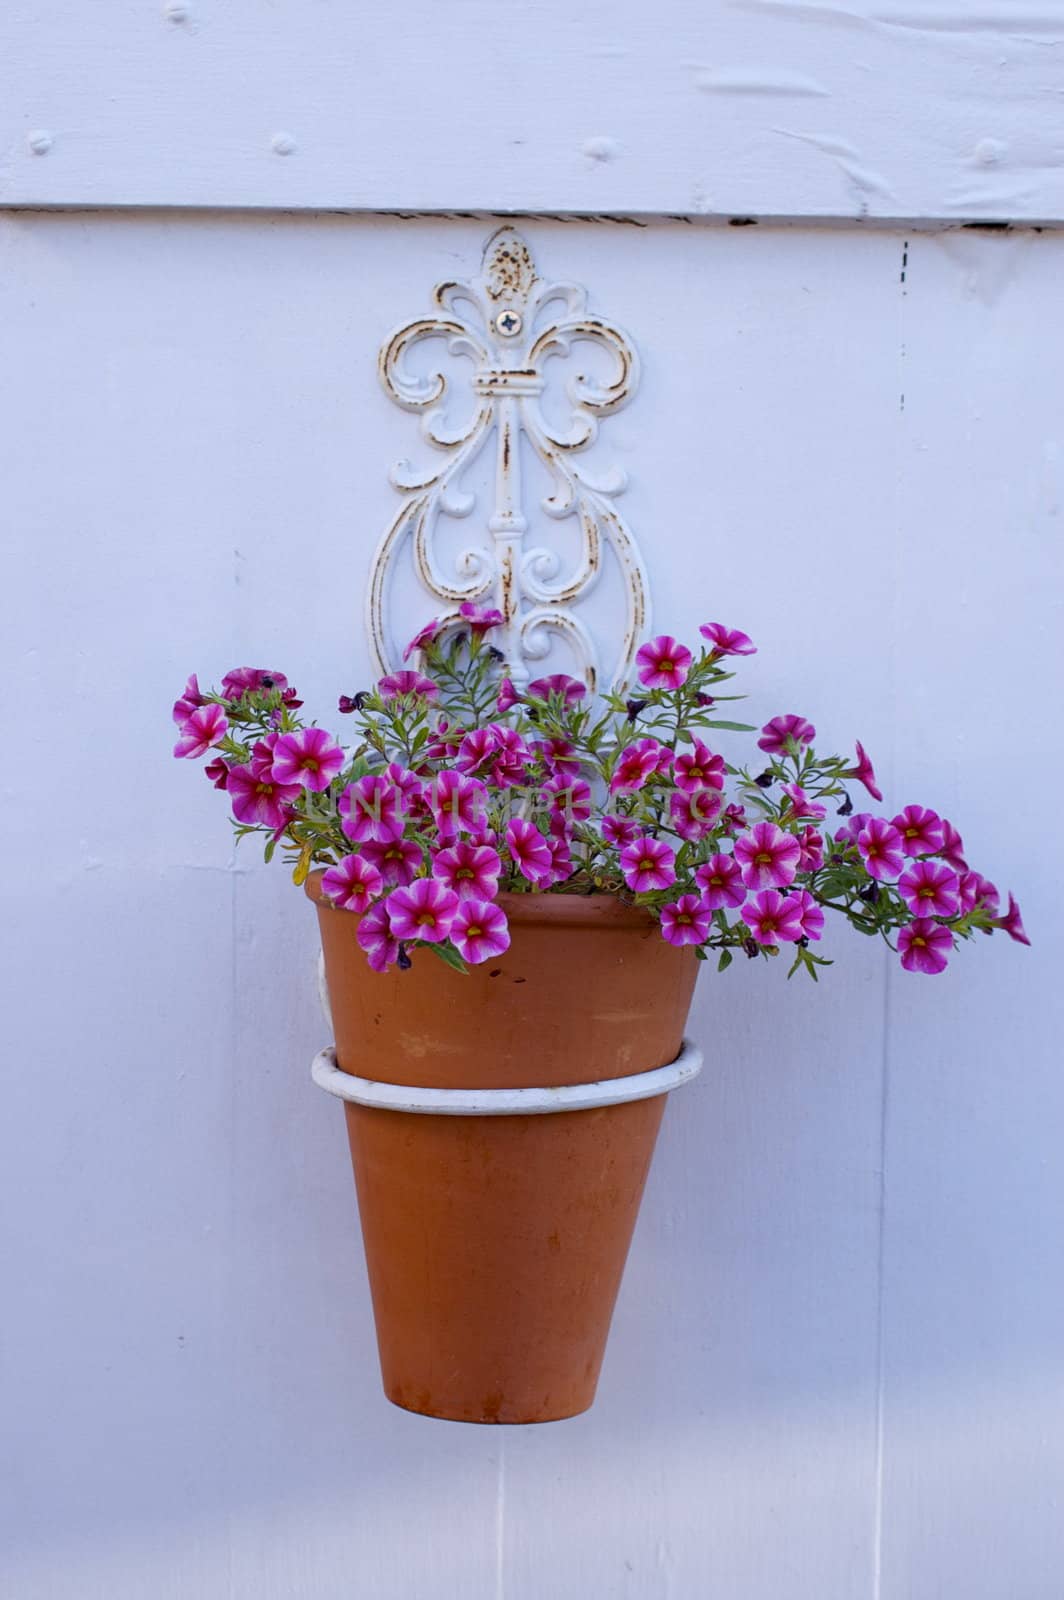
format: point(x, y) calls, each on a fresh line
point(536, 908)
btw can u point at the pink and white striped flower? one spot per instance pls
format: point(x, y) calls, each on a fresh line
point(529, 851)
point(394, 684)
point(479, 931)
point(699, 768)
point(371, 808)
point(810, 914)
point(423, 637)
point(1012, 923)
point(921, 831)
point(880, 845)
point(727, 641)
point(352, 884)
point(398, 861)
point(189, 700)
point(952, 850)
point(687, 920)
point(777, 734)
point(862, 770)
point(619, 831)
point(309, 756)
point(930, 889)
point(558, 683)
point(259, 800)
point(924, 946)
point(767, 857)
point(479, 619)
point(375, 937)
point(772, 919)
point(663, 663)
point(720, 882)
point(636, 765)
point(694, 815)
point(647, 864)
point(803, 804)
point(811, 850)
point(975, 890)
point(423, 910)
point(459, 804)
point(252, 680)
point(471, 870)
point(204, 727)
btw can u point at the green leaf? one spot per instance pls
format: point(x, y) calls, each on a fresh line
point(725, 960)
point(733, 727)
point(449, 956)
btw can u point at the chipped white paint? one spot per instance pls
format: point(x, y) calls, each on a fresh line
point(672, 108)
point(510, 323)
point(505, 1102)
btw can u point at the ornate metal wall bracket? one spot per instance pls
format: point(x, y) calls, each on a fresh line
point(509, 323)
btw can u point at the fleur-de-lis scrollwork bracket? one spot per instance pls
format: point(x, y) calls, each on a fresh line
point(509, 323)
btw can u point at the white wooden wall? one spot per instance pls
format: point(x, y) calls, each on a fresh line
point(837, 1365)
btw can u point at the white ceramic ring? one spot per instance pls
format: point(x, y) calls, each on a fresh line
point(504, 1102)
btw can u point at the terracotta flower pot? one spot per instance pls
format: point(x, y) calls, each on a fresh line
point(496, 1242)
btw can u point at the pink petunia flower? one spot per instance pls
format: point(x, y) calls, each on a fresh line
point(733, 819)
point(561, 860)
point(930, 889)
point(443, 741)
point(773, 919)
point(259, 799)
point(508, 696)
point(863, 772)
point(375, 936)
point(699, 768)
point(881, 849)
point(952, 850)
point(727, 641)
point(636, 765)
point(811, 850)
point(398, 861)
point(352, 884)
point(423, 910)
point(687, 920)
point(480, 618)
point(477, 748)
point(802, 804)
point(767, 857)
point(694, 815)
point(204, 727)
point(217, 772)
point(853, 827)
point(557, 755)
point(310, 757)
point(189, 701)
point(251, 680)
point(647, 864)
point(921, 831)
point(261, 762)
point(663, 663)
point(976, 890)
point(471, 870)
point(924, 946)
point(721, 883)
point(571, 689)
point(529, 851)
point(424, 636)
point(372, 808)
point(406, 682)
point(810, 914)
point(776, 735)
point(510, 769)
point(568, 795)
point(459, 804)
point(1012, 923)
point(479, 931)
point(619, 831)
